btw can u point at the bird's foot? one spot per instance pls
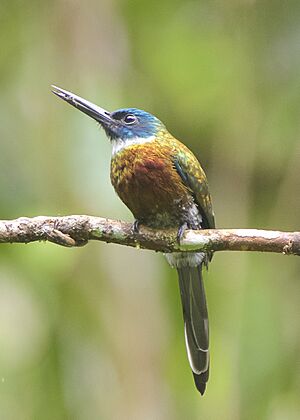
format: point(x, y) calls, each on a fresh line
point(136, 226)
point(181, 231)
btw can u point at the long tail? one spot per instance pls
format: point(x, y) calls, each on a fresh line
point(195, 322)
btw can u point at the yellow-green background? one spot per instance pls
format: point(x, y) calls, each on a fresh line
point(96, 332)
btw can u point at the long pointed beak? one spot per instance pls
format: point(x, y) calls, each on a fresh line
point(92, 110)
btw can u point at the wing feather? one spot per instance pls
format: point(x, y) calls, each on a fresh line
point(194, 178)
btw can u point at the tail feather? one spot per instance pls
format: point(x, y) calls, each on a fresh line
point(195, 322)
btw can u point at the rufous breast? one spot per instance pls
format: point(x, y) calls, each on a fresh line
point(146, 180)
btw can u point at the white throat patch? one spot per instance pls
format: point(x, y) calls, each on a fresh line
point(118, 144)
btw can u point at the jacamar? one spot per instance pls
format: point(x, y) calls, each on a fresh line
point(163, 184)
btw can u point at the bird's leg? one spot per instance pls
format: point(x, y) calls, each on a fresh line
point(136, 226)
point(181, 231)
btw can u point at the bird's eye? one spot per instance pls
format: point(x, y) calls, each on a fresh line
point(129, 119)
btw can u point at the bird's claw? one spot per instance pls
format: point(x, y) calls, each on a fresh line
point(181, 231)
point(136, 226)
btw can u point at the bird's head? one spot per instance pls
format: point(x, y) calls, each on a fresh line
point(123, 127)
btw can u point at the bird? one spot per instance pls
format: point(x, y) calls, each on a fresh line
point(164, 186)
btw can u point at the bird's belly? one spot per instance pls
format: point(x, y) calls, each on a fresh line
point(151, 189)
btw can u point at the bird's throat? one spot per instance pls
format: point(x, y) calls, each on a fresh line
point(119, 144)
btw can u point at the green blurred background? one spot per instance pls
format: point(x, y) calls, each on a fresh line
point(96, 332)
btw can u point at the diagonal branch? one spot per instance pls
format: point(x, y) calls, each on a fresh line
point(78, 230)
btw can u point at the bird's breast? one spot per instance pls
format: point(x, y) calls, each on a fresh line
point(146, 180)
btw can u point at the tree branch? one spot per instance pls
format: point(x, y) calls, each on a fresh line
point(78, 230)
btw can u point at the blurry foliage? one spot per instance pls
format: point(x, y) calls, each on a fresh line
point(97, 332)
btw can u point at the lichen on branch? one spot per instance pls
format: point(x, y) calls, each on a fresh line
point(78, 230)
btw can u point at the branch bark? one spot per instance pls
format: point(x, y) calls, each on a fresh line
point(75, 230)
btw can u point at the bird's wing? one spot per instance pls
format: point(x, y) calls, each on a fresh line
point(194, 178)
point(190, 277)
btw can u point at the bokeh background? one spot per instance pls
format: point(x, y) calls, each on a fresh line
point(96, 332)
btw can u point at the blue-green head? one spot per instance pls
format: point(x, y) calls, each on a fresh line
point(121, 125)
point(131, 123)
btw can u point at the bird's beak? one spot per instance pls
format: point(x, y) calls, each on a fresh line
point(92, 110)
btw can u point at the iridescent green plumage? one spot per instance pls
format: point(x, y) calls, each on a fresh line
point(159, 181)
